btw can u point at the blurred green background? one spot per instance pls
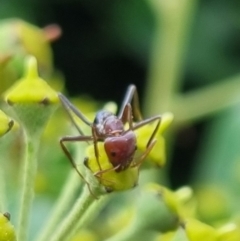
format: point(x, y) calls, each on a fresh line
point(105, 45)
point(183, 56)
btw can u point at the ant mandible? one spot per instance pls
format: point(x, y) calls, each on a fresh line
point(119, 144)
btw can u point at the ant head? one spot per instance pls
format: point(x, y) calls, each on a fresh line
point(120, 150)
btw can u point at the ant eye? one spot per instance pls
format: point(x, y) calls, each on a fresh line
point(113, 154)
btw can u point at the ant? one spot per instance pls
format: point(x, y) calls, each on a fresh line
point(119, 144)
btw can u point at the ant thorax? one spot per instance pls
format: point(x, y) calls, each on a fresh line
point(107, 124)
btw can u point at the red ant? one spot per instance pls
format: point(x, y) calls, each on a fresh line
point(119, 144)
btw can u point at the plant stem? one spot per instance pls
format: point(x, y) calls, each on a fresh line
point(29, 173)
point(207, 100)
point(173, 21)
point(63, 203)
point(91, 213)
point(4, 160)
point(71, 220)
point(2, 191)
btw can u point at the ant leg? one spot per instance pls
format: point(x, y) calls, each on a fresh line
point(151, 142)
point(128, 113)
point(94, 135)
point(106, 170)
point(69, 106)
point(99, 173)
point(149, 121)
point(144, 155)
point(67, 153)
point(96, 174)
point(131, 96)
point(127, 116)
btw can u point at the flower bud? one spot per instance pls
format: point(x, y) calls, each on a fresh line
point(32, 99)
point(110, 179)
point(7, 232)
